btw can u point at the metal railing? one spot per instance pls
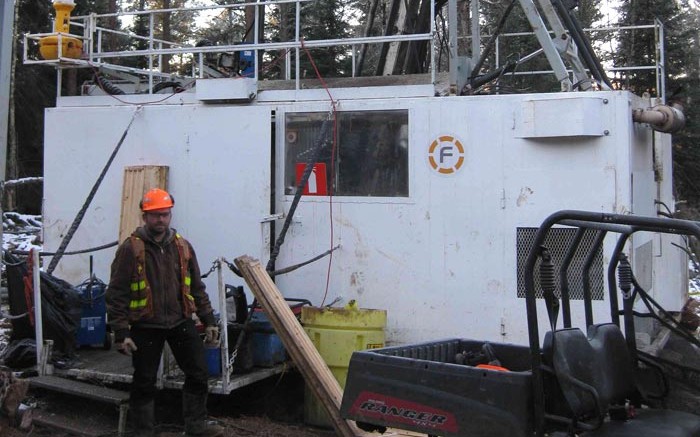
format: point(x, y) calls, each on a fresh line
point(149, 54)
point(96, 55)
point(657, 67)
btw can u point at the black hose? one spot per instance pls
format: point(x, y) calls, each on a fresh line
point(75, 252)
point(584, 45)
point(315, 155)
point(302, 264)
point(107, 86)
point(176, 86)
point(479, 81)
point(647, 300)
point(589, 48)
point(489, 45)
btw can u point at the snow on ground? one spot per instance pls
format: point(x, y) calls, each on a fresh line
point(693, 282)
point(21, 232)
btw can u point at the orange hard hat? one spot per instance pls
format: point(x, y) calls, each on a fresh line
point(156, 198)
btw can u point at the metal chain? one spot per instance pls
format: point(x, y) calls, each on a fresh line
point(214, 265)
point(232, 360)
point(232, 267)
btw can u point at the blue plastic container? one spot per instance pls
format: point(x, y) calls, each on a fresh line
point(213, 360)
point(93, 317)
point(267, 346)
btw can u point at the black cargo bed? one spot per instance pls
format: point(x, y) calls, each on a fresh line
point(422, 388)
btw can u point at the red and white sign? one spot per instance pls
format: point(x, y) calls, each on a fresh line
point(317, 184)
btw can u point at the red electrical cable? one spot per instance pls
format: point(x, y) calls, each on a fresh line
point(333, 150)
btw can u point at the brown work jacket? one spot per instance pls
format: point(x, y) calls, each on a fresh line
point(163, 273)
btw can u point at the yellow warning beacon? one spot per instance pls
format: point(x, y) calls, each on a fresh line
point(71, 47)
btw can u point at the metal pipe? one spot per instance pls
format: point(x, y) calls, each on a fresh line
point(660, 63)
point(452, 48)
point(99, 45)
point(662, 118)
point(353, 50)
point(201, 65)
point(476, 30)
point(433, 67)
point(7, 13)
point(38, 323)
point(256, 40)
point(226, 365)
point(297, 67)
point(272, 45)
point(150, 57)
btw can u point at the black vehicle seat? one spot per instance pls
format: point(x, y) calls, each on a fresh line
point(577, 372)
point(616, 384)
point(596, 371)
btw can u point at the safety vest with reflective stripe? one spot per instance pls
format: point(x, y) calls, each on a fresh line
point(141, 303)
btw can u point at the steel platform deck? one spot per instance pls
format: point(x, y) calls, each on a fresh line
point(112, 367)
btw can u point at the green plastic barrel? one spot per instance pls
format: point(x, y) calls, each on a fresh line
point(337, 333)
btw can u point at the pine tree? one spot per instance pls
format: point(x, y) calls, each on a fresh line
point(173, 27)
point(325, 20)
point(513, 48)
point(29, 101)
point(683, 87)
point(682, 69)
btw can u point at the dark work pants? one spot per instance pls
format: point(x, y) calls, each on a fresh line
point(188, 350)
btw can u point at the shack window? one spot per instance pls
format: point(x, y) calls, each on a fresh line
point(371, 152)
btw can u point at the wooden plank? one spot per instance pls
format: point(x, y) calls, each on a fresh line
point(80, 389)
point(309, 362)
point(138, 180)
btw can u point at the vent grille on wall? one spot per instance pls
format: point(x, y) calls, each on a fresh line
point(558, 242)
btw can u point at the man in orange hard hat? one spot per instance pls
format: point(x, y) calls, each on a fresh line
point(154, 289)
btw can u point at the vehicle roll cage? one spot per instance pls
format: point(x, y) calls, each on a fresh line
point(602, 224)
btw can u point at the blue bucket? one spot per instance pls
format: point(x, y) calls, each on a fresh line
point(213, 355)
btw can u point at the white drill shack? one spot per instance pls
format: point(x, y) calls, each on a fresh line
point(429, 200)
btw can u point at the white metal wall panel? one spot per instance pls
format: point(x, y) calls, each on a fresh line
point(442, 261)
point(670, 290)
point(219, 175)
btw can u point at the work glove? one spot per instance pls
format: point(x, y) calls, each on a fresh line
point(127, 346)
point(211, 335)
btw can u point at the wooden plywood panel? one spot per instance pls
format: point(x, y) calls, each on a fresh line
point(138, 180)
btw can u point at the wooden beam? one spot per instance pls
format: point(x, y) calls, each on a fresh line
point(299, 346)
point(138, 180)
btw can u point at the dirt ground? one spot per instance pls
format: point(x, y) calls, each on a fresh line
point(270, 408)
point(242, 426)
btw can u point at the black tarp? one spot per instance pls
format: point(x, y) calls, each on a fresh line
point(60, 306)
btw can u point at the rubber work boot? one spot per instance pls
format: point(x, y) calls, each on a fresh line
point(194, 411)
point(142, 419)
